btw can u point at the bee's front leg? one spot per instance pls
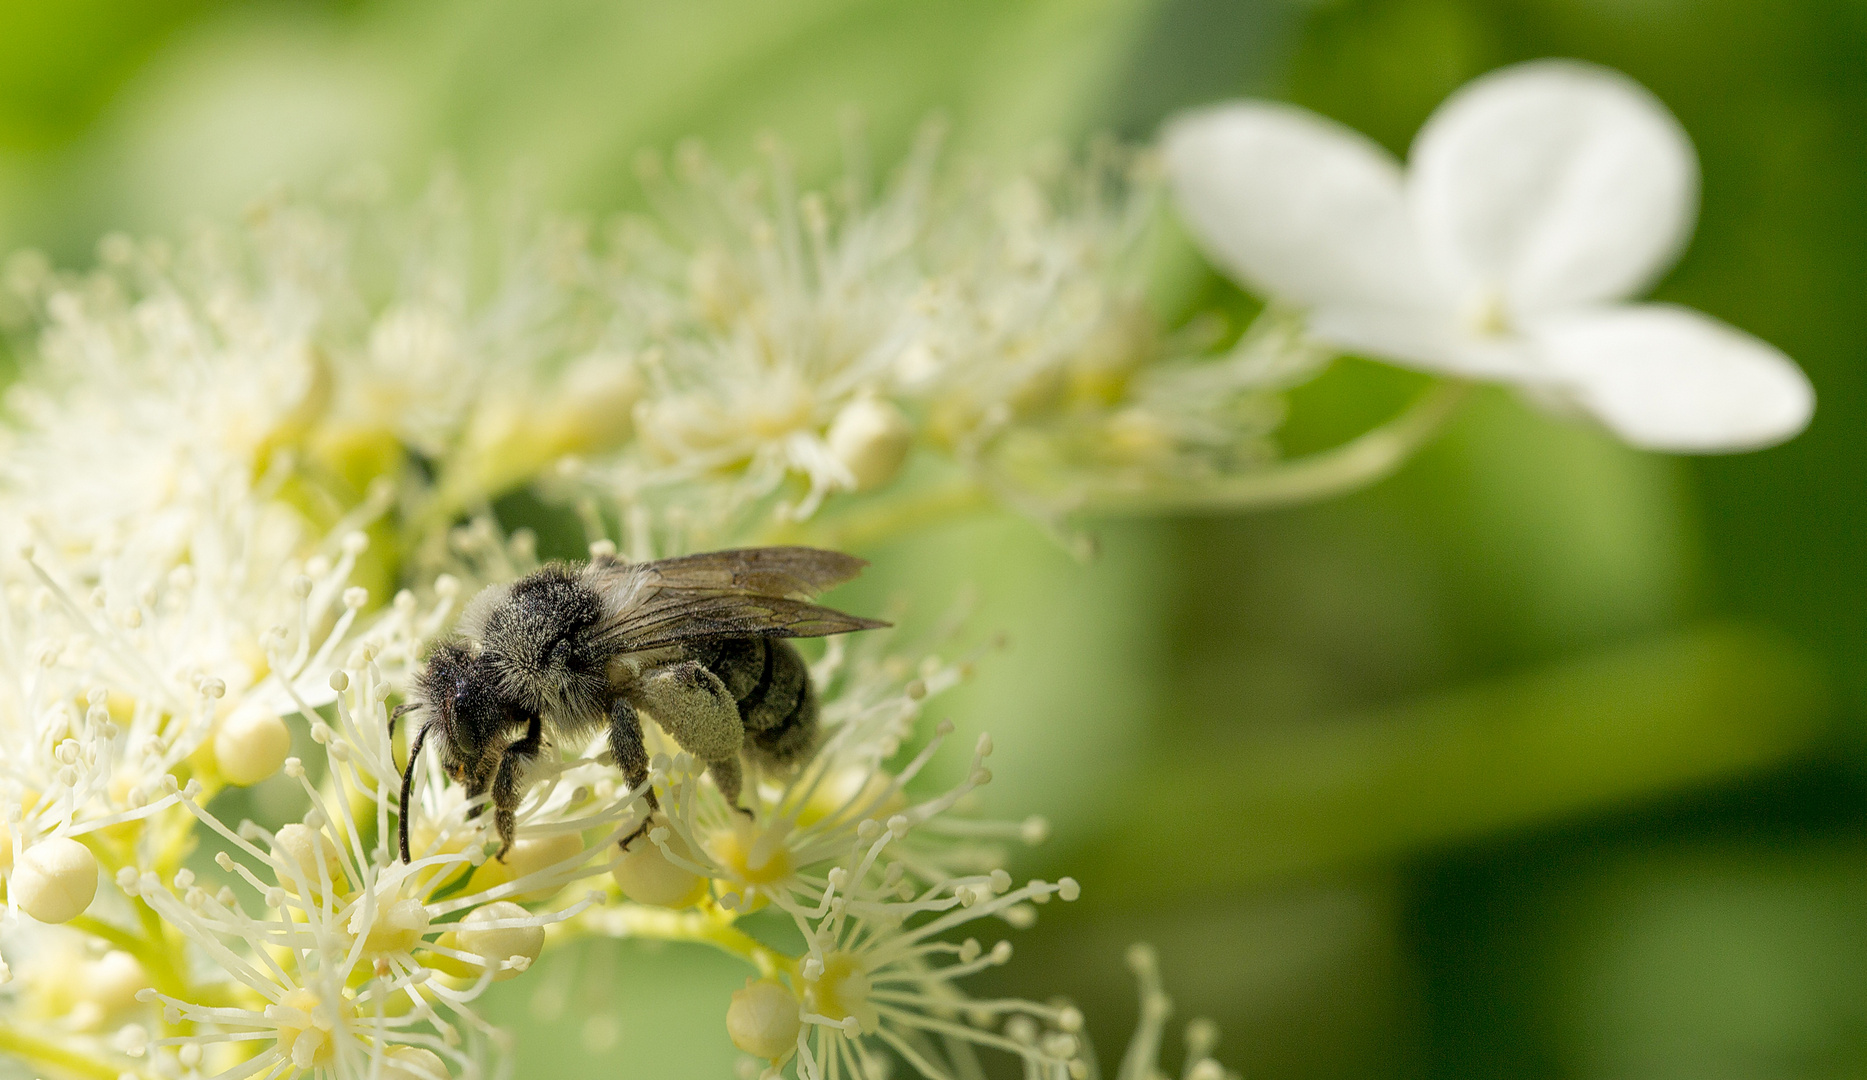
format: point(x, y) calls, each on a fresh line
point(625, 746)
point(509, 786)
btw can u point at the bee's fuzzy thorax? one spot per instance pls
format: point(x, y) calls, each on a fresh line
point(539, 646)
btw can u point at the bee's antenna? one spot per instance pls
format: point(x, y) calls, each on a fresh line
point(398, 712)
point(408, 784)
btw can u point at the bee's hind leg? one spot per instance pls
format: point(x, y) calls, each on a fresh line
point(509, 786)
point(694, 706)
point(728, 777)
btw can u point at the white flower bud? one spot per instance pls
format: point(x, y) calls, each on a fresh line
point(251, 747)
point(764, 1019)
point(302, 847)
point(56, 880)
point(397, 928)
point(871, 437)
point(528, 855)
point(413, 1063)
point(647, 877)
point(112, 981)
point(496, 945)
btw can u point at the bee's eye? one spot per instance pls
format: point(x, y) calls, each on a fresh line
point(559, 654)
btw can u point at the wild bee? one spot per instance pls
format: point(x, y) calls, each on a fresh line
point(697, 643)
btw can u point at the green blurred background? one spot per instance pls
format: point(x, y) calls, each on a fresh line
point(1544, 758)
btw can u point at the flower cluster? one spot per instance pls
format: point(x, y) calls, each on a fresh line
point(225, 458)
point(793, 347)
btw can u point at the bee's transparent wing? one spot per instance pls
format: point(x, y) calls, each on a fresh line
point(749, 592)
point(796, 572)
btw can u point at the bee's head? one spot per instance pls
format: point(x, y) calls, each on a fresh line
point(463, 713)
point(537, 636)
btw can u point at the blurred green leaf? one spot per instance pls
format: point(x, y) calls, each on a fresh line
point(575, 88)
point(59, 63)
point(558, 97)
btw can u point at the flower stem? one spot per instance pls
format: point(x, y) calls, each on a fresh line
point(709, 926)
point(45, 1052)
point(152, 954)
point(1363, 460)
point(877, 521)
point(154, 949)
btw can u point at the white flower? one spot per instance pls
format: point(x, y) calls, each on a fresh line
point(103, 701)
point(878, 976)
point(336, 941)
point(1534, 200)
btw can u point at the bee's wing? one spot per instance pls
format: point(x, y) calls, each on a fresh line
point(796, 572)
point(750, 592)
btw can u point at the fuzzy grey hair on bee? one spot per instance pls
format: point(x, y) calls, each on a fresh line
point(541, 640)
point(696, 643)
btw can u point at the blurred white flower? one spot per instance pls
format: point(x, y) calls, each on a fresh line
point(1142, 1059)
point(1535, 199)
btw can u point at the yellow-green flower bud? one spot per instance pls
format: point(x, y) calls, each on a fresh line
point(871, 437)
point(413, 1063)
point(764, 1019)
point(528, 855)
point(496, 945)
point(251, 747)
point(647, 877)
point(302, 848)
point(55, 880)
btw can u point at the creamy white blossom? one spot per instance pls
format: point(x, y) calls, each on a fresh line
point(879, 978)
point(345, 948)
point(245, 479)
point(1534, 200)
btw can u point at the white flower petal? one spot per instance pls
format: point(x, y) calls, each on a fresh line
point(1670, 378)
point(1424, 342)
point(1552, 184)
point(1296, 207)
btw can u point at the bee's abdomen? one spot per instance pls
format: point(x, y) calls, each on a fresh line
point(771, 683)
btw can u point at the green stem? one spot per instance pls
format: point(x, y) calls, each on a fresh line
point(1357, 463)
point(50, 1054)
point(874, 522)
point(154, 949)
point(708, 926)
point(152, 954)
